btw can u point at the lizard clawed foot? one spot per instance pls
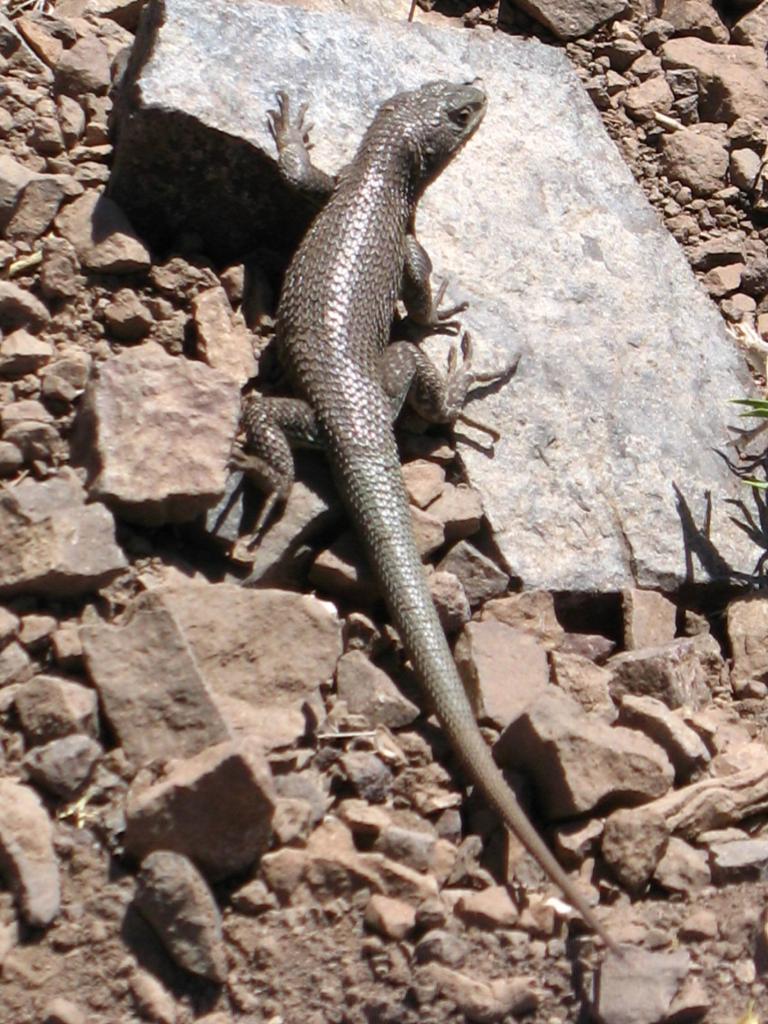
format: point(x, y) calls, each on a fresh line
point(258, 471)
point(283, 129)
point(444, 321)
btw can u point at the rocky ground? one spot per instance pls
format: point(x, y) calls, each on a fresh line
point(215, 803)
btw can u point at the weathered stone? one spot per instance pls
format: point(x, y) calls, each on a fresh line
point(20, 308)
point(571, 20)
point(653, 96)
point(585, 681)
point(144, 405)
point(459, 509)
point(483, 1002)
point(733, 80)
point(738, 860)
point(752, 29)
point(529, 501)
point(744, 168)
point(268, 649)
point(577, 762)
point(639, 986)
point(127, 318)
point(102, 235)
point(479, 575)
point(683, 746)
point(52, 542)
point(695, 18)
point(176, 901)
point(152, 999)
point(83, 68)
point(695, 159)
point(63, 766)
point(215, 808)
point(223, 340)
point(747, 624)
point(369, 692)
point(533, 611)
point(49, 708)
point(424, 481)
point(153, 693)
point(15, 664)
point(450, 600)
point(490, 908)
point(503, 669)
point(392, 918)
point(27, 857)
point(414, 849)
point(672, 673)
point(682, 868)
point(22, 353)
point(633, 853)
point(649, 618)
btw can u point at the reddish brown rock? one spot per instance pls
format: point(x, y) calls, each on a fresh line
point(27, 858)
point(83, 68)
point(504, 669)
point(150, 685)
point(53, 542)
point(577, 762)
point(368, 691)
point(144, 405)
point(696, 159)
point(215, 808)
point(732, 80)
point(392, 918)
point(177, 902)
point(49, 708)
point(223, 340)
point(102, 236)
point(649, 618)
point(673, 673)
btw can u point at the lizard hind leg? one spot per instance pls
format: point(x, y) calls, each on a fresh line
point(273, 427)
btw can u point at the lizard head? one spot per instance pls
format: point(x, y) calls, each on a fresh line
point(433, 122)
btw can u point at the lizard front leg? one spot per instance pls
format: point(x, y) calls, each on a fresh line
point(293, 144)
point(423, 308)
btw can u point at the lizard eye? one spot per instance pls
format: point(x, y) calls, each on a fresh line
point(461, 116)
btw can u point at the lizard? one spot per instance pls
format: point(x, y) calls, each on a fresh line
point(337, 305)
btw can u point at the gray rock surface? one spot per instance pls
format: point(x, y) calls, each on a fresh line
point(602, 477)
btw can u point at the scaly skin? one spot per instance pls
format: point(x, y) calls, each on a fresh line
point(333, 327)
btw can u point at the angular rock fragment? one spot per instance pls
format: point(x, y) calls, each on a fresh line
point(672, 673)
point(144, 407)
point(20, 308)
point(585, 681)
point(479, 575)
point(633, 853)
point(572, 19)
point(215, 808)
point(732, 80)
point(747, 624)
point(684, 748)
point(682, 868)
point(577, 762)
point(175, 899)
point(483, 1001)
point(368, 691)
point(27, 858)
point(643, 981)
point(223, 340)
point(63, 766)
point(649, 619)
point(503, 669)
point(150, 685)
point(269, 649)
point(52, 542)
point(49, 708)
point(393, 918)
point(102, 236)
point(738, 859)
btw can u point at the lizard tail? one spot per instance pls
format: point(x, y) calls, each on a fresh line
point(374, 491)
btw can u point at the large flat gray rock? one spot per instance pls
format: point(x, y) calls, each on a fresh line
point(603, 474)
